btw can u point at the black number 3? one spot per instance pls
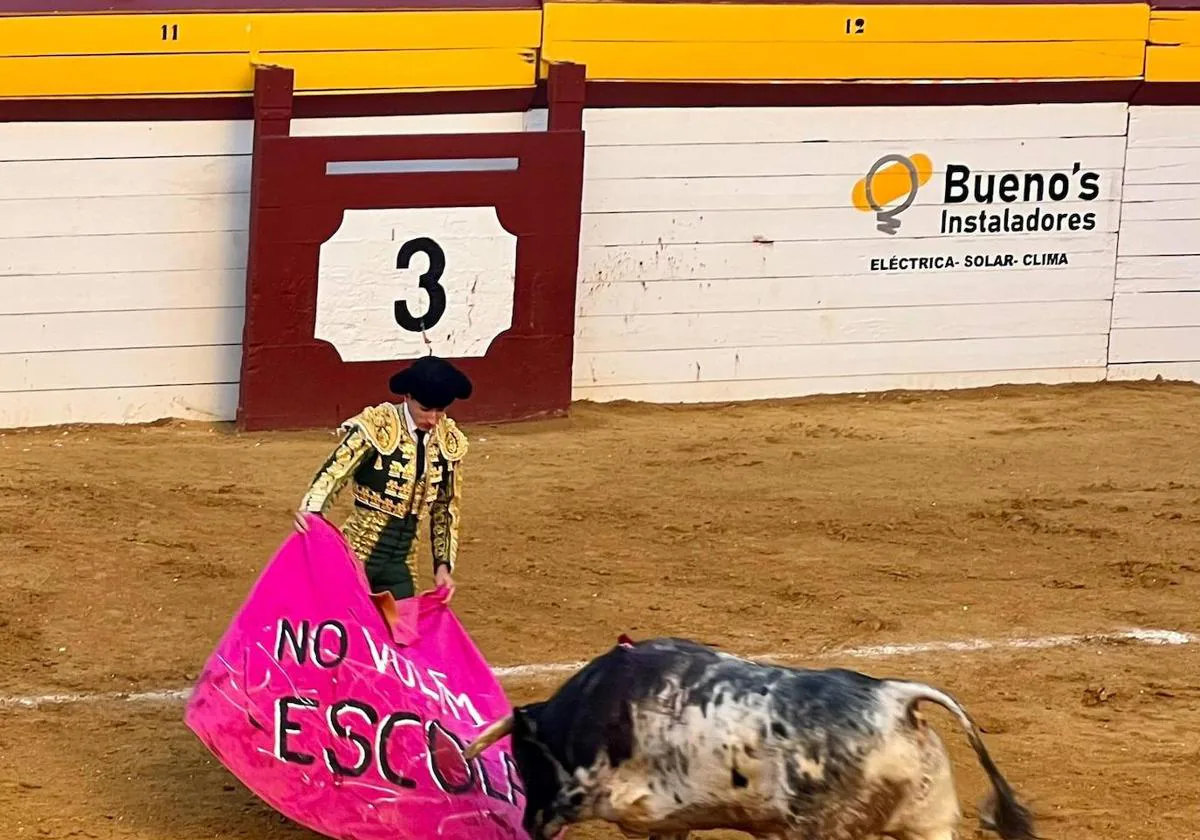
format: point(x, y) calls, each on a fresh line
point(429, 282)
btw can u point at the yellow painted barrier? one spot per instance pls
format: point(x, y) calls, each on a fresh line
point(1173, 64)
point(797, 23)
point(105, 34)
point(833, 62)
point(1173, 54)
point(1174, 27)
point(741, 42)
point(206, 54)
point(140, 34)
point(231, 74)
point(100, 55)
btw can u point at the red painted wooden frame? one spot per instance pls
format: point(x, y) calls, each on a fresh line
point(290, 379)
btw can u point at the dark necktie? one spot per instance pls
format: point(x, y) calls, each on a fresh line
point(420, 453)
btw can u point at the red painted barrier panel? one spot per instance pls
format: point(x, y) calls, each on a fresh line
point(464, 245)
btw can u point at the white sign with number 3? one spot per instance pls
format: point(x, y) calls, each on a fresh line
point(398, 283)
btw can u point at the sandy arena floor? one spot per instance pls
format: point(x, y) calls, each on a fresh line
point(801, 527)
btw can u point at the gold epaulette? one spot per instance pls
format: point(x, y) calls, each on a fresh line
point(381, 424)
point(452, 442)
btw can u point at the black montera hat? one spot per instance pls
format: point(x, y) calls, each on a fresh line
point(432, 381)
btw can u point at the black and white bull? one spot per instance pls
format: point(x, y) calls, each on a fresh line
point(668, 736)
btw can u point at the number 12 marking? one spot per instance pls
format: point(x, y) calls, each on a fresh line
point(859, 26)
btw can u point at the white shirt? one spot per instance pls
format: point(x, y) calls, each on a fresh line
point(409, 422)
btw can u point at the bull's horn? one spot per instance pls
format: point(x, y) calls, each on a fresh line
point(489, 736)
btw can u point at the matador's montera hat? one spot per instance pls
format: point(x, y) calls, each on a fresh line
point(433, 382)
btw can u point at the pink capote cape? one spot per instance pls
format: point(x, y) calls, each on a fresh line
point(349, 723)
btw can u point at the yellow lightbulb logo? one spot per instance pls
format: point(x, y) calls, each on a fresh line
point(891, 178)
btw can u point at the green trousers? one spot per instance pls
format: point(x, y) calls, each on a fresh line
point(384, 544)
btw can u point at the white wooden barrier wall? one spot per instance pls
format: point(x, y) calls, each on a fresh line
point(721, 256)
point(122, 263)
point(1156, 303)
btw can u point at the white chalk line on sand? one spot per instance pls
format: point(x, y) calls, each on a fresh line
point(1136, 636)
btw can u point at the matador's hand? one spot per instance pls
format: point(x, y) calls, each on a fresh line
point(301, 521)
point(442, 578)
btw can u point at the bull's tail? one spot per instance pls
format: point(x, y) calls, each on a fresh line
point(1002, 812)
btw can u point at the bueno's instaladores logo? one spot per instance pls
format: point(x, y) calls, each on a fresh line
point(891, 184)
point(1033, 188)
point(891, 179)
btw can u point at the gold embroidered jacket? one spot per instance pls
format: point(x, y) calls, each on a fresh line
point(378, 454)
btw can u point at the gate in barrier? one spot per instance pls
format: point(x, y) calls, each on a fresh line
point(369, 251)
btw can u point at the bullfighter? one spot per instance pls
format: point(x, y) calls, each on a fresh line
point(404, 461)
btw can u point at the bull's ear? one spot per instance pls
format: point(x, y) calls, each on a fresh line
point(526, 718)
point(524, 722)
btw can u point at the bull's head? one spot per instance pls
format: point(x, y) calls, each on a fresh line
point(548, 804)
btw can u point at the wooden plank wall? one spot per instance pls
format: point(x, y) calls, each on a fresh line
point(189, 54)
point(122, 263)
point(1173, 45)
point(682, 41)
point(507, 44)
point(1156, 305)
point(722, 259)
